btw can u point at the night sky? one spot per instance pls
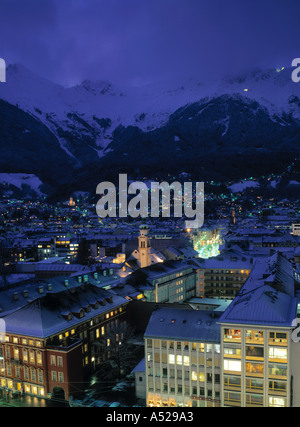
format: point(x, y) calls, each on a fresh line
point(135, 42)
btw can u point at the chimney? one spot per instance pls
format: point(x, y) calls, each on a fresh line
point(16, 296)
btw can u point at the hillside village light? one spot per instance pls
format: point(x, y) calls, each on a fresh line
point(139, 205)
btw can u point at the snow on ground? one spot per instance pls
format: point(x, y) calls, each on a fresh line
point(241, 186)
point(19, 179)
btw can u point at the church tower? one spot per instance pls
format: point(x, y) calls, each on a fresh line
point(144, 246)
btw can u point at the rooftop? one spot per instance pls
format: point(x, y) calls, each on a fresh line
point(183, 324)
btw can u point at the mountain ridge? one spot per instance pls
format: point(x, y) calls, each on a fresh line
point(143, 130)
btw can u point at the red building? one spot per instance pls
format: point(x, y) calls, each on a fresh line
point(51, 342)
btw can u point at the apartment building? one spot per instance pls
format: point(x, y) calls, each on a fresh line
point(52, 341)
point(258, 348)
point(182, 358)
point(169, 281)
point(222, 276)
point(243, 355)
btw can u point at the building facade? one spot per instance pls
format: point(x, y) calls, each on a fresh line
point(182, 359)
point(53, 342)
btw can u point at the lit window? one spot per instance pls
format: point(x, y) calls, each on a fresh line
point(172, 359)
point(186, 360)
point(232, 365)
point(278, 353)
point(179, 360)
point(276, 401)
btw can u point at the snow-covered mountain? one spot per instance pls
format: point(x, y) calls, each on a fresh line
point(98, 121)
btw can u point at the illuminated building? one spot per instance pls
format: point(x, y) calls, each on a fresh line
point(46, 248)
point(71, 202)
point(182, 358)
point(144, 247)
point(169, 281)
point(259, 353)
point(296, 230)
point(52, 341)
point(222, 276)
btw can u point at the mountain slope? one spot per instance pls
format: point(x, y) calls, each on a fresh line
point(76, 136)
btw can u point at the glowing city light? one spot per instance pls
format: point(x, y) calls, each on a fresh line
point(207, 243)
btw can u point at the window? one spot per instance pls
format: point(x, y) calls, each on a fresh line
point(277, 386)
point(179, 360)
point(254, 353)
point(39, 358)
point(231, 381)
point(276, 401)
point(196, 377)
point(201, 347)
point(217, 348)
point(7, 352)
point(276, 370)
point(232, 397)
point(60, 377)
point(254, 337)
point(59, 361)
point(26, 373)
point(232, 365)
point(40, 376)
point(16, 353)
point(254, 384)
point(33, 375)
point(31, 356)
point(232, 352)
point(255, 369)
point(209, 348)
point(172, 359)
point(52, 360)
point(232, 335)
point(278, 338)
point(254, 400)
point(186, 360)
point(53, 375)
point(278, 354)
